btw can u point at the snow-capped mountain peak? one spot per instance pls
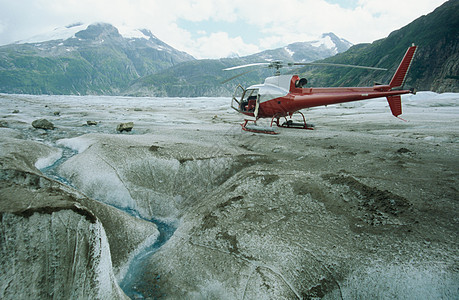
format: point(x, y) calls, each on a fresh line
point(136, 33)
point(59, 33)
point(325, 46)
point(324, 41)
point(70, 31)
point(328, 41)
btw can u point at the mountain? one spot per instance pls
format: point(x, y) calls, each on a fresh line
point(84, 59)
point(198, 78)
point(101, 59)
point(204, 77)
point(328, 45)
point(435, 66)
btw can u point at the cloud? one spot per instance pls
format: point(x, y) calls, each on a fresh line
point(219, 44)
point(278, 23)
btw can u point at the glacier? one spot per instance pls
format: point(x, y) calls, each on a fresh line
point(363, 206)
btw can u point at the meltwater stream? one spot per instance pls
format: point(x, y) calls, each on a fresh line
point(70, 115)
point(51, 171)
point(132, 283)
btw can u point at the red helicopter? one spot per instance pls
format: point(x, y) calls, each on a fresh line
point(283, 95)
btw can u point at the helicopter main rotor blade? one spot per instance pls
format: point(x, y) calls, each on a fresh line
point(279, 64)
point(336, 65)
point(245, 66)
point(238, 75)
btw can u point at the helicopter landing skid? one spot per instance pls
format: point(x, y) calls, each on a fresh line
point(291, 124)
point(257, 129)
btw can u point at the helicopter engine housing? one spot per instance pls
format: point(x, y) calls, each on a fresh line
point(301, 82)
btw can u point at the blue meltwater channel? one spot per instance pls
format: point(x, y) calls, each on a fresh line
point(133, 284)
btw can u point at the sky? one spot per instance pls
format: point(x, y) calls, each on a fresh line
point(219, 28)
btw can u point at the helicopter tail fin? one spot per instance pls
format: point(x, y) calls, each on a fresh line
point(400, 75)
point(395, 104)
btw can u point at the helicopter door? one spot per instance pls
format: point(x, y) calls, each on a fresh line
point(249, 100)
point(237, 98)
point(245, 100)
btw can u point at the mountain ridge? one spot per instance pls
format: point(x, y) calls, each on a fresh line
point(99, 60)
point(435, 66)
point(94, 60)
point(205, 77)
point(327, 45)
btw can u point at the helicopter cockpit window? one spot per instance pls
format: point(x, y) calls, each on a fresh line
point(249, 100)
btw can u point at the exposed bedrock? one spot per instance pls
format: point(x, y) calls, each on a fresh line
point(54, 241)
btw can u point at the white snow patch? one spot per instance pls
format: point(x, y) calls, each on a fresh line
point(431, 99)
point(132, 33)
point(78, 144)
point(290, 52)
point(60, 33)
point(104, 269)
point(94, 175)
point(47, 161)
point(326, 42)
